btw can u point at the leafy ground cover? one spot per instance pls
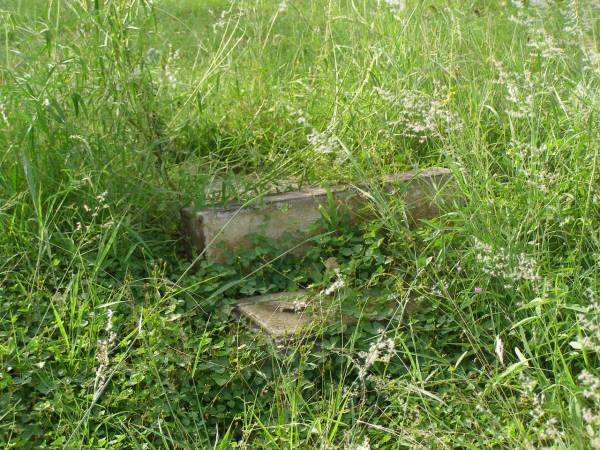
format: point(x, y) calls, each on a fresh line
point(115, 114)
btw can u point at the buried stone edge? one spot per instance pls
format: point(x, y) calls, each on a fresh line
point(286, 316)
point(213, 231)
point(280, 315)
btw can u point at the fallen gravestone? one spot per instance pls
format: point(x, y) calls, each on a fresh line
point(213, 231)
point(280, 315)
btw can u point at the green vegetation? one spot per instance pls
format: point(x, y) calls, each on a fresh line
point(114, 114)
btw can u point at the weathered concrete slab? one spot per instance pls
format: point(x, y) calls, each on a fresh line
point(287, 315)
point(215, 230)
point(280, 315)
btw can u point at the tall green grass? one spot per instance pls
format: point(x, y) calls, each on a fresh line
point(114, 114)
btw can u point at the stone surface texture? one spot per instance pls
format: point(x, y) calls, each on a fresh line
point(215, 230)
point(288, 315)
point(279, 315)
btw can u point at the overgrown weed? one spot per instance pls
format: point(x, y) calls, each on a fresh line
point(115, 114)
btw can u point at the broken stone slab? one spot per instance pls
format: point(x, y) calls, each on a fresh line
point(287, 315)
point(213, 231)
point(280, 315)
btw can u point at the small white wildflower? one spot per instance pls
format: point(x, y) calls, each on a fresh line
point(395, 6)
point(102, 365)
point(338, 284)
point(527, 383)
point(538, 4)
point(386, 95)
point(590, 324)
point(589, 416)
point(3, 113)
point(550, 431)
point(169, 71)
point(323, 142)
point(591, 384)
point(221, 22)
point(501, 263)
point(102, 350)
point(519, 89)
point(480, 408)
point(101, 197)
point(298, 114)
point(545, 44)
point(109, 326)
point(152, 55)
point(419, 115)
point(299, 305)
point(381, 350)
